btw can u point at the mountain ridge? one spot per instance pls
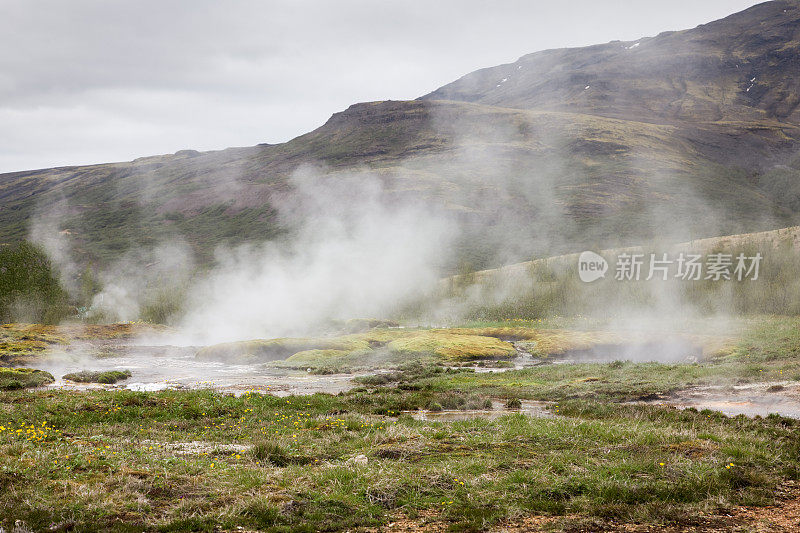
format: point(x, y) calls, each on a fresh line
point(612, 141)
point(569, 79)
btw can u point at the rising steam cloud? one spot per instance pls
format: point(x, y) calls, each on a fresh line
point(358, 244)
point(358, 251)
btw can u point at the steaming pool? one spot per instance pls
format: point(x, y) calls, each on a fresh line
point(156, 368)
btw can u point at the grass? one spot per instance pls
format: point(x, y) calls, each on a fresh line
point(21, 378)
point(263, 350)
point(478, 344)
point(767, 350)
point(200, 460)
point(89, 376)
point(112, 460)
point(376, 348)
point(452, 347)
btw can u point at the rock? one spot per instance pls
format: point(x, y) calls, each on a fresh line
point(360, 460)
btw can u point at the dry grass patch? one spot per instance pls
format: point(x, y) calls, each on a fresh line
point(453, 347)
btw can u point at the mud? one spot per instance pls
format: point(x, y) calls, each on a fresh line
point(753, 399)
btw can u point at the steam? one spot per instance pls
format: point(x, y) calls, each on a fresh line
point(358, 251)
point(46, 231)
point(140, 275)
point(371, 243)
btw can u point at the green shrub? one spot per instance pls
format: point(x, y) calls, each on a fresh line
point(29, 288)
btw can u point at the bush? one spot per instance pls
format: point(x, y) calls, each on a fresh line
point(29, 289)
point(514, 403)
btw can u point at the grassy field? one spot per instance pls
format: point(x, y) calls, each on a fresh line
point(205, 461)
point(187, 461)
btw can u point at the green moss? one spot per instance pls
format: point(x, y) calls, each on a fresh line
point(364, 349)
point(107, 377)
point(453, 347)
point(20, 378)
point(317, 357)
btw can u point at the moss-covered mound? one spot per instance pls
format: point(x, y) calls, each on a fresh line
point(21, 378)
point(318, 357)
point(452, 347)
point(24, 344)
point(378, 346)
point(107, 377)
point(388, 347)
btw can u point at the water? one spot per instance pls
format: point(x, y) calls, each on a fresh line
point(755, 399)
point(157, 368)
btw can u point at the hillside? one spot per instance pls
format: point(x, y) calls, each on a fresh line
point(767, 241)
point(733, 70)
point(692, 133)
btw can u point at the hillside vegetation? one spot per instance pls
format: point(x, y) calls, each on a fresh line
point(597, 145)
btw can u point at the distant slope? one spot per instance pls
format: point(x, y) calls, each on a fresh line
point(739, 69)
point(763, 240)
point(672, 136)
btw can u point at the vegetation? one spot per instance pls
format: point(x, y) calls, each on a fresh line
point(25, 344)
point(200, 460)
point(20, 378)
point(187, 461)
point(89, 376)
point(452, 347)
point(376, 348)
point(276, 349)
point(598, 456)
point(551, 287)
point(29, 287)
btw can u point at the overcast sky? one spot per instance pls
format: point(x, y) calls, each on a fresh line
point(97, 81)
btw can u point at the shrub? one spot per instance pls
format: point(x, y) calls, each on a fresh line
point(29, 289)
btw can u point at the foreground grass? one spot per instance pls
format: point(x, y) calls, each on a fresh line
point(185, 461)
point(194, 461)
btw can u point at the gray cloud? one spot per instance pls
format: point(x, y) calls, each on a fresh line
point(94, 81)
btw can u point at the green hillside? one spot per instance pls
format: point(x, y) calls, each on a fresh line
point(671, 136)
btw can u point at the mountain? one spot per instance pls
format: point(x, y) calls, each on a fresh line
point(738, 69)
point(687, 134)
